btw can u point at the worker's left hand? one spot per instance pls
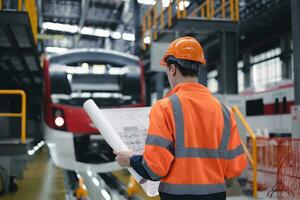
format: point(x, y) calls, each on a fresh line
point(123, 158)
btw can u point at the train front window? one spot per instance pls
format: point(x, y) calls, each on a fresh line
point(107, 85)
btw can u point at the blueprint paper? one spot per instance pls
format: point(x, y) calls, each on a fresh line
point(123, 129)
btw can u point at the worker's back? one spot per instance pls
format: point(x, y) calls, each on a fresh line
point(201, 137)
point(203, 126)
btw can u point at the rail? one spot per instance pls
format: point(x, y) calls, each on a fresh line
point(252, 158)
point(163, 14)
point(22, 114)
point(30, 7)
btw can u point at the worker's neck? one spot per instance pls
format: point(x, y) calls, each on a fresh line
point(182, 79)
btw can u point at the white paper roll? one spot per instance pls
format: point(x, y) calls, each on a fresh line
point(115, 141)
point(103, 126)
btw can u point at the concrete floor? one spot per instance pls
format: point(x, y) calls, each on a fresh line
point(41, 181)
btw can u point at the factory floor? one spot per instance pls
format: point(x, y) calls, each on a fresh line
point(41, 180)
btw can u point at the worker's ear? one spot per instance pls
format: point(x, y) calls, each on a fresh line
point(173, 69)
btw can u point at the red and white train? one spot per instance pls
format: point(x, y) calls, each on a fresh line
point(111, 79)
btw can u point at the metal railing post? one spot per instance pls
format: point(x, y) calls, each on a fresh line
point(170, 15)
point(237, 12)
point(162, 16)
point(178, 10)
point(22, 114)
point(231, 10)
point(254, 148)
point(155, 21)
point(223, 9)
point(208, 9)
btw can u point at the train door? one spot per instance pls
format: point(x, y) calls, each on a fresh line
point(279, 111)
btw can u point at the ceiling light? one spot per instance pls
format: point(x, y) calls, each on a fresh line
point(116, 35)
point(105, 194)
point(147, 2)
point(56, 49)
point(101, 32)
point(128, 36)
point(87, 31)
point(96, 181)
point(166, 3)
point(183, 4)
point(147, 40)
point(60, 27)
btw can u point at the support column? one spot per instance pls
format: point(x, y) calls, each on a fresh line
point(285, 45)
point(148, 82)
point(136, 6)
point(247, 69)
point(159, 84)
point(227, 70)
point(296, 47)
point(202, 76)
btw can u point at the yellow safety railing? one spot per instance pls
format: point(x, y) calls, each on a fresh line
point(209, 9)
point(252, 158)
point(30, 7)
point(22, 114)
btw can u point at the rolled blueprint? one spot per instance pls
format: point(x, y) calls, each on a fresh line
point(115, 142)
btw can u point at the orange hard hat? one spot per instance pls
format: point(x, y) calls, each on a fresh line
point(185, 48)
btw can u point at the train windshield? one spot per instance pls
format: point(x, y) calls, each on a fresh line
point(108, 84)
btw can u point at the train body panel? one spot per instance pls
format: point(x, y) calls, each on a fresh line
point(268, 109)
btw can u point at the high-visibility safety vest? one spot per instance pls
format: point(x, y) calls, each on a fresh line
point(193, 143)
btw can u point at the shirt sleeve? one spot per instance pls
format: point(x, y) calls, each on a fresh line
point(237, 160)
point(136, 164)
point(158, 153)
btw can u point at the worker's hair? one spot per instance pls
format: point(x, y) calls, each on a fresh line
point(184, 71)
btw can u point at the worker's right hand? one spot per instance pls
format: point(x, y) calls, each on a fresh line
point(123, 158)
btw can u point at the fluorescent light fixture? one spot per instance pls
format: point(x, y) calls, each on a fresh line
point(85, 95)
point(85, 66)
point(128, 36)
point(116, 35)
point(96, 181)
point(166, 3)
point(89, 173)
point(87, 31)
point(183, 4)
point(147, 2)
point(147, 40)
point(56, 50)
point(101, 32)
point(70, 76)
point(60, 27)
point(105, 194)
point(99, 69)
point(31, 152)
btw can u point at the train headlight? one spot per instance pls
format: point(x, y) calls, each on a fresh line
point(59, 121)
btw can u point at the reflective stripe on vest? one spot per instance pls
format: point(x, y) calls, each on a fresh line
point(183, 152)
point(160, 141)
point(195, 189)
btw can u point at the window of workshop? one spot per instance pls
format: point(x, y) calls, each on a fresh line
point(241, 85)
point(212, 82)
point(267, 68)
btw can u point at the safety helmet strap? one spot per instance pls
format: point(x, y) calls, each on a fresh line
point(185, 63)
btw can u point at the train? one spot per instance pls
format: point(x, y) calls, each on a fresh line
point(268, 109)
point(112, 79)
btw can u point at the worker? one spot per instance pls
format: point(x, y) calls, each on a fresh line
point(192, 144)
